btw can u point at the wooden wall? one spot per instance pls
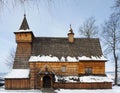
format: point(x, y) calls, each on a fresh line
point(24, 37)
point(72, 68)
point(97, 67)
point(25, 84)
point(24, 49)
point(96, 85)
point(17, 84)
point(23, 53)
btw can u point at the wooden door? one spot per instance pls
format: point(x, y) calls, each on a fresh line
point(46, 82)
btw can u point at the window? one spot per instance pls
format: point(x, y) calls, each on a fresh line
point(63, 68)
point(88, 70)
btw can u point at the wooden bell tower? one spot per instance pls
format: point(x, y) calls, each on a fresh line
point(24, 38)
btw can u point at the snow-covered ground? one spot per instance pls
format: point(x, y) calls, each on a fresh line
point(115, 89)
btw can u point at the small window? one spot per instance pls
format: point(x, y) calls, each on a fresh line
point(88, 70)
point(63, 68)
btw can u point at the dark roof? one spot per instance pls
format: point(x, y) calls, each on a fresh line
point(24, 25)
point(61, 47)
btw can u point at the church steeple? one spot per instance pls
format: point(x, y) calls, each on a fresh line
point(24, 25)
point(24, 34)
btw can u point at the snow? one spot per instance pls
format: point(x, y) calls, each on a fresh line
point(18, 73)
point(115, 89)
point(73, 59)
point(43, 58)
point(92, 58)
point(63, 59)
point(88, 79)
point(95, 79)
point(84, 58)
point(22, 30)
point(66, 78)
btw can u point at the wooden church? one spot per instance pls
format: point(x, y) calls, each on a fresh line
point(50, 62)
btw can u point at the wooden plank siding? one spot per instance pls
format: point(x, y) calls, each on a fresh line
point(17, 83)
point(23, 52)
point(96, 85)
point(23, 37)
point(97, 67)
point(72, 68)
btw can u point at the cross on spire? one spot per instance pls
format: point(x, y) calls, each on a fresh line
point(71, 31)
point(70, 26)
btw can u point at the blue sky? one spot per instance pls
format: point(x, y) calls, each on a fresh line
point(48, 20)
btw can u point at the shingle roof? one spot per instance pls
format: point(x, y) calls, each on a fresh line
point(61, 47)
point(24, 25)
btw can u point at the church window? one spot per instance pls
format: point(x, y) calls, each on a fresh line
point(88, 70)
point(63, 68)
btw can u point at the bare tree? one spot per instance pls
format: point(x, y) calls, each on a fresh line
point(89, 29)
point(111, 36)
point(29, 4)
point(116, 7)
point(10, 59)
point(25, 2)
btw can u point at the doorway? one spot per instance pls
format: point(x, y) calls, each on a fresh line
point(46, 82)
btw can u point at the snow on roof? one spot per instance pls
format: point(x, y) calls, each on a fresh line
point(88, 79)
point(22, 30)
point(95, 79)
point(18, 73)
point(63, 59)
point(73, 59)
point(43, 58)
point(92, 58)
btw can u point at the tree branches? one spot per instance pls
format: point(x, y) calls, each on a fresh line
point(88, 29)
point(111, 36)
point(24, 3)
point(10, 59)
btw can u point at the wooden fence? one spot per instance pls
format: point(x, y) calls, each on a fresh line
point(96, 85)
point(25, 84)
point(17, 84)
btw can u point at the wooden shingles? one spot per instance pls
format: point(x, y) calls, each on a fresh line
point(61, 47)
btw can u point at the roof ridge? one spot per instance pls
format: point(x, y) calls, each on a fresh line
point(66, 38)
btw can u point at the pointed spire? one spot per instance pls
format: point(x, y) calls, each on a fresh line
point(70, 31)
point(24, 25)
